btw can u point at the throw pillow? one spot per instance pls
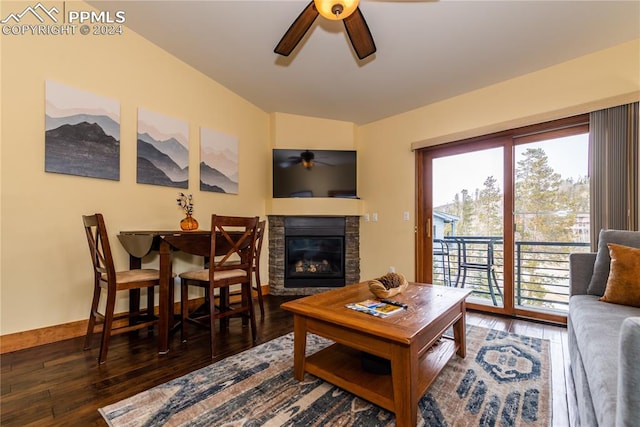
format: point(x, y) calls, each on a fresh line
point(603, 260)
point(623, 285)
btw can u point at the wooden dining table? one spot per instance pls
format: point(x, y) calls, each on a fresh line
point(141, 243)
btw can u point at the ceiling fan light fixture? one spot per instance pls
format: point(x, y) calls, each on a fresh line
point(336, 9)
point(307, 159)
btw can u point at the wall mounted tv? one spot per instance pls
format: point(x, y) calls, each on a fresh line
point(314, 173)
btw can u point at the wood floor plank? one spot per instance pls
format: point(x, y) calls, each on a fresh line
point(558, 388)
point(33, 408)
point(554, 333)
point(60, 384)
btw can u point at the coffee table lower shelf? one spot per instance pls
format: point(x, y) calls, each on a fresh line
point(342, 366)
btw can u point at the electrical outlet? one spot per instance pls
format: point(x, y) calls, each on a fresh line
point(374, 217)
point(405, 215)
point(366, 217)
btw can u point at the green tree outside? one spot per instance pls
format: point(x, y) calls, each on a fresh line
point(546, 210)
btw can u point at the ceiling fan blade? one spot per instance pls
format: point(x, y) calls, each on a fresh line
point(322, 163)
point(359, 34)
point(297, 30)
point(290, 162)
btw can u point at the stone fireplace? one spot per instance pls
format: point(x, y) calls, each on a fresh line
point(309, 254)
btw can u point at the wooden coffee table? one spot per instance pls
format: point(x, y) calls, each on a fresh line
point(411, 341)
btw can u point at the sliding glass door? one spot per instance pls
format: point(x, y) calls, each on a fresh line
point(551, 217)
point(467, 218)
point(500, 214)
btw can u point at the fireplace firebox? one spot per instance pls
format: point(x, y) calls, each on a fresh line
point(314, 252)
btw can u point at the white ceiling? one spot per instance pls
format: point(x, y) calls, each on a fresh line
point(427, 50)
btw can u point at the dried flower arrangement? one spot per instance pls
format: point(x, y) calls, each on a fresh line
point(185, 201)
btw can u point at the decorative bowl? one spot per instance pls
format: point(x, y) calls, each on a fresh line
point(381, 291)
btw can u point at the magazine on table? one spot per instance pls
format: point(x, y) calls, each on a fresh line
point(375, 308)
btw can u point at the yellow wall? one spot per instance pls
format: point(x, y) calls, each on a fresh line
point(387, 180)
point(45, 265)
point(290, 131)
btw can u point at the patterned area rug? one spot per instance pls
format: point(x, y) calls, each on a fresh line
point(504, 381)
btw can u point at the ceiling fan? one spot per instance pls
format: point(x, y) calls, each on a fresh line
point(345, 10)
point(306, 158)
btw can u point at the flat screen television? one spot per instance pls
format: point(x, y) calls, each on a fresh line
point(314, 173)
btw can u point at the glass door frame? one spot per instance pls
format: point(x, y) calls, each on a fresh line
point(424, 217)
point(424, 206)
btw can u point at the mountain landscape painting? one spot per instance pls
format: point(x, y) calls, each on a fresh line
point(82, 133)
point(163, 150)
point(218, 162)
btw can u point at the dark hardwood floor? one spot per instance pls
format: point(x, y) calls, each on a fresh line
point(60, 384)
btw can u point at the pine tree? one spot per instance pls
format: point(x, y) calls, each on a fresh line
point(467, 214)
point(539, 203)
point(541, 216)
point(489, 209)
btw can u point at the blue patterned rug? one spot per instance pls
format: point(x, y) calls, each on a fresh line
point(504, 381)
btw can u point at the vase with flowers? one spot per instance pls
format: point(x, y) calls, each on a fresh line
point(185, 201)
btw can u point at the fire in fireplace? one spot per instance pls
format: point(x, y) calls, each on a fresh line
point(314, 252)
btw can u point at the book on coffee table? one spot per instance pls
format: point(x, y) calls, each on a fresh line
point(375, 308)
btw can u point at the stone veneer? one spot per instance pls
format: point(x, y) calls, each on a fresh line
point(276, 256)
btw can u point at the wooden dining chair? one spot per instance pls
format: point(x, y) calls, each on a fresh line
point(231, 262)
point(105, 277)
point(257, 284)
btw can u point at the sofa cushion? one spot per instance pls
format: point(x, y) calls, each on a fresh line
point(598, 281)
point(597, 327)
point(585, 415)
point(628, 410)
point(623, 285)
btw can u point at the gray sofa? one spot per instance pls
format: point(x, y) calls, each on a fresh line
point(604, 341)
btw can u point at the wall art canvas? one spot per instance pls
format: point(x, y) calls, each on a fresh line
point(218, 162)
point(163, 150)
point(82, 133)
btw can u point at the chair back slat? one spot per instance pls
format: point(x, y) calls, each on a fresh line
point(259, 235)
point(99, 247)
point(232, 238)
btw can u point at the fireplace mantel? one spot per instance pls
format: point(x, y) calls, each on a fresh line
point(315, 206)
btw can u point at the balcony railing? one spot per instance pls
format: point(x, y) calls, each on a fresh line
point(476, 263)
